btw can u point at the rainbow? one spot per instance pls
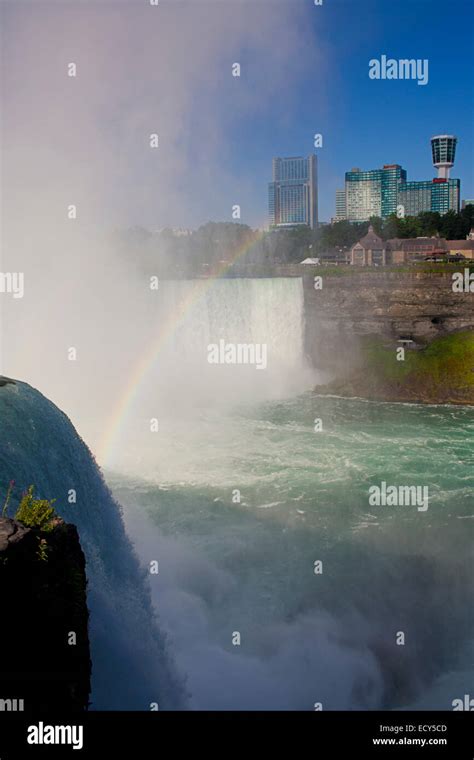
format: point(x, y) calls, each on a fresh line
point(120, 412)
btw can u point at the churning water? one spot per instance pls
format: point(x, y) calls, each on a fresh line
point(249, 566)
point(237, 495)
point(240, 493)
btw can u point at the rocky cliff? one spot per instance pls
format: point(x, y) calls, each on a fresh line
point(45, 662)
point(357, 316)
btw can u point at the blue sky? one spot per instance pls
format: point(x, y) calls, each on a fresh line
point(167, 70)
point(367, 123)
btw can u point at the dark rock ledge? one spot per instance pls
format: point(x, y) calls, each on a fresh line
point(43, 603)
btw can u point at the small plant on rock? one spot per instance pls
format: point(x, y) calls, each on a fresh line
point(37, 513)
point(43, 550)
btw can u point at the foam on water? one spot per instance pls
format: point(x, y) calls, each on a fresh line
point(242, 567)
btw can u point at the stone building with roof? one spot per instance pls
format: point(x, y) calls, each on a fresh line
point(405, 249)
point(463, 247)
point(370, 250)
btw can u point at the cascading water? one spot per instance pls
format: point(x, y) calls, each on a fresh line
point(38, 446)
point(190, 316)
point(176, 383)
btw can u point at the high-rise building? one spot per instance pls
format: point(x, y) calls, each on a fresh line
point(468, 202)
point(373, 193)
point(414, 197)
point(439, 195)
point(293, 193)
point(340, 205)
point(385, 191)
point(445, 195)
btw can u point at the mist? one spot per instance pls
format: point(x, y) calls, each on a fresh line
point(85, 141)
point(304, 646)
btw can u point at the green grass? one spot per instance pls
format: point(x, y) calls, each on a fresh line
point(445, 366)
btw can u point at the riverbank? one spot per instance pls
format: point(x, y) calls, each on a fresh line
point(440, 373)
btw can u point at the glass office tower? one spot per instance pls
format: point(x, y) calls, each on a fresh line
point(439, 195)
point(373, 193)
point(293, 193)
point(340, 205)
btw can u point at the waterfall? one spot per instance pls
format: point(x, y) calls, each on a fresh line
point(39, 446)
point(176, 383)
point(257, 312)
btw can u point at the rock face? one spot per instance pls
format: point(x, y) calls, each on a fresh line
point(413, 305)
point(44, 610)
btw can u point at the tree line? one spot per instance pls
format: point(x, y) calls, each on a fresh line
point(452, 226)
point(234, 249)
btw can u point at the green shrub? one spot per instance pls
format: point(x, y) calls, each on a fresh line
point(36, 513)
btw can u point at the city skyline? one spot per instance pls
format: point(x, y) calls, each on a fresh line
point(387, 190)
point(218, 132)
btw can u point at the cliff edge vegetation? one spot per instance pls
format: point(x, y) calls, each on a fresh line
point(440, 373)
point(46, 664)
